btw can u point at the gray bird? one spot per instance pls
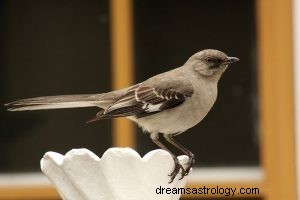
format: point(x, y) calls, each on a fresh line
point(168, 103)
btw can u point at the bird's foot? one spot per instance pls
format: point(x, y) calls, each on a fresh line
point(184, 172)
point(189, 165)
point(176, 170)
point(187, 171)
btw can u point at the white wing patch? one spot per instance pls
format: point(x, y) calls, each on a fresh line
point(152, 108)
point(149, 107)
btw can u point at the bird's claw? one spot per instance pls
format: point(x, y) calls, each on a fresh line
point(184, 172)
point(189, 166)
point(176, 171)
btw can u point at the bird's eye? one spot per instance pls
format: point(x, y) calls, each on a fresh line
point(208, 59)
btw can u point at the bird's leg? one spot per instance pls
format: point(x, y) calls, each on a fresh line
point(187, 152)
point(155, 138)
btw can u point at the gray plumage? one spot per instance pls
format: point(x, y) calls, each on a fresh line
point(168, 103)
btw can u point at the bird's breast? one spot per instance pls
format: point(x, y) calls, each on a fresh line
point(184, 116)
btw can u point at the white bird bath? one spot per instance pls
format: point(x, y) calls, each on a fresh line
point(121, 174)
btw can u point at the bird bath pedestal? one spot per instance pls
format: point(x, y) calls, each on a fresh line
point(121, 174)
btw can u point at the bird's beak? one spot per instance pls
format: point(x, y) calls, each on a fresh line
point(230, 60)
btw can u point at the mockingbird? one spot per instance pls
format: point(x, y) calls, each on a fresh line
point(168, 103)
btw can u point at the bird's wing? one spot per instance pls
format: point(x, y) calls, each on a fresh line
point(150, 97)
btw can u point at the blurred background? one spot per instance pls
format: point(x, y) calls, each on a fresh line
point(248, 140)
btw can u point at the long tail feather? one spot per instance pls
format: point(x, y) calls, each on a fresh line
point(56, 102)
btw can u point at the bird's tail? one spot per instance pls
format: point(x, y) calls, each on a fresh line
point(57, 102)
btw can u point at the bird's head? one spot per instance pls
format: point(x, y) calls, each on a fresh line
point(210, 62)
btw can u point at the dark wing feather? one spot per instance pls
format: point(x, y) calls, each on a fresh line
point(144, 101)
